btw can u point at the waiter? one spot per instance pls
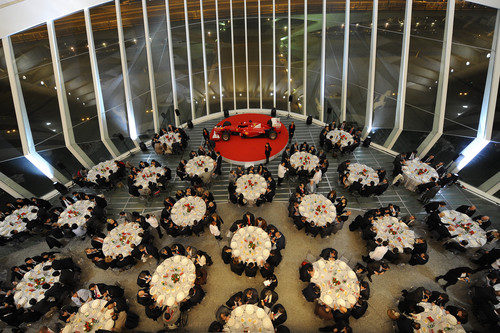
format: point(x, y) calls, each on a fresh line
point(291, 131)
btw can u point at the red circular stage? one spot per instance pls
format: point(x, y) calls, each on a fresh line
point(241, 150)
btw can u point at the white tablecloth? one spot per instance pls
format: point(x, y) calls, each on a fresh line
point(120, 239)
point(30, 285)
point(440, 320)
point(170, 138)
point(75, 213)
point(416, 172)
point(302, 160)
point(336, 135)
point(251, 244)
point(14, 221)
point(172, 280)
point(464, 227)
point(198, 164)
point(103, 169)
point(187, 210)
point(357, 171)
point(251, 186)
point(94, 315)
point(338, 283)
point(147, 175)
point(249, 318)
point(397, 233)
point(318, 209)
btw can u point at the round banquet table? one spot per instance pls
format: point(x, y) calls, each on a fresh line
point(198, 164)
point(251, 186)
point(172, 280)
point(395, 232)
point(302, 160)
point(251, 244)
point(435, 319)
point(248, 318)
point(464, 228)
point(120, 240)
point(337, 134)
point(338, 283)
point(30, 285)
point(14, 221)
point(91, 317)
point(318, 209)
point(148, 174)
point(187, 210)
point(75, 213)
point(103, 169)
point(366, 173)
point(170, 138)
point(416, 172)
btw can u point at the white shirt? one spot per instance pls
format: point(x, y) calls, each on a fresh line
point(153, 221)
point(214, 230)
point(281, 171)
point(378, 253)
point(317, 176)
point(83, 294)
point(80, 231)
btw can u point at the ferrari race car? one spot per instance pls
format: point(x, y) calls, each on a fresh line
point(247, 129)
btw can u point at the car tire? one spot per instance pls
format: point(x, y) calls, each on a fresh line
point(272, 135)
point(226, 123)
point(226, 136)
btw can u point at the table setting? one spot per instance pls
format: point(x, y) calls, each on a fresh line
point(251, 186)
point(251, 244)
point(187, 210)
point(318, 209)
point(14, 221)
point(416, 172)
point(120, 239)
point(198, 164)
point(148, 174)
point(435, 319)
point(91, 317)
point(248, 318)
point(366, 173)
point(302, 160)
point(395, 232)
point(172, 280)
point(338, 283)
point(462, 227)
point(75, 213)
point(169, 138)
point(103, 169)
point(337, 134)
point(30, 286)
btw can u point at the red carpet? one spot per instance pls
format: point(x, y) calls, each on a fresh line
point(241, 150)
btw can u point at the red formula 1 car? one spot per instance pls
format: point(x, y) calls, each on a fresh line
point(247, 129)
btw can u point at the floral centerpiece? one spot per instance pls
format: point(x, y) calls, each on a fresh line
point(189, 207)
point(320, 209)
point(89, 324)
point(421, 171)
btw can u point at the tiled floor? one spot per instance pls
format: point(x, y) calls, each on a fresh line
point(453, 196)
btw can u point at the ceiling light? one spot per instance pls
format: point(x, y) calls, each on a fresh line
point(451, 70)
point(488, 55)
point(24, 77)
point(42, 83)
point(48, 123)
point(465, 106)
point(467, 63)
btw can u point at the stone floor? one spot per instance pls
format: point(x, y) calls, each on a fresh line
point(222, 283)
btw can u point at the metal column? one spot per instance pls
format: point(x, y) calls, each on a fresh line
point(371, 72)
point(323, 70)
point(260, 56)
point(274, 54)
point(203, 48)
point(172, 64)
point(94, 68)
point(151, 72)
point(218, 56)
point(246, 52)
point(304, 74)
point(188, 55)
point(403, 73)
point(442, 89)
point(345, 62)
point(66, 123)
point(232, 54)
point(289, 76)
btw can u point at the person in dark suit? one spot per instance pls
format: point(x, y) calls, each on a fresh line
point(434, 206)
point(226, 254)
point(237, 266)
point(251, 269)
point(267, 298)
point(267, 151)
point(454, 275)
point(305, 272)
point(291, 131)
point(278, 315)
point(311, 292)
point(439, 298)
point(267, 270)
point(467, 210)
point(420, 245)
point(418, 259)
point(459, 313)
point(359, 309)
point(250, 296)
point(235, 300)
